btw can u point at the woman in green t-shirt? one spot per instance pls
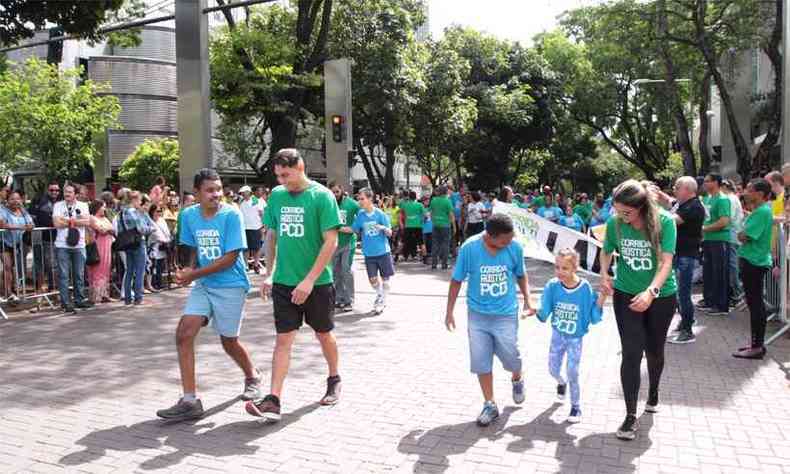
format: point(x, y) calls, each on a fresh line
point(754, 258)
point(644, 290)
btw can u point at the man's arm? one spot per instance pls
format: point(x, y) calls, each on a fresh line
point(271, 252)
point(723, 222)
point(305, 287)
point(452, 296)
point(523, 285)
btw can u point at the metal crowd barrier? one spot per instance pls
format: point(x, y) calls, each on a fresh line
point(776, 288)
point(29, 270)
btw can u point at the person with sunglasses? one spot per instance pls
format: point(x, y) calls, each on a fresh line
point(41, 212)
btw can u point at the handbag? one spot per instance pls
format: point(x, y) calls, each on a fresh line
point(127, 238)
point(92, 254)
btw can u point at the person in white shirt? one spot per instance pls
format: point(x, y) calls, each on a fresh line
point(158, 245)
point(252, 211)
point(71, 217)
point(475, 215)
point(736, 209)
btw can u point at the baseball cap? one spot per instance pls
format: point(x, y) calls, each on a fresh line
point(245, 189)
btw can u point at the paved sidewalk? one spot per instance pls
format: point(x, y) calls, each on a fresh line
point(78, 393)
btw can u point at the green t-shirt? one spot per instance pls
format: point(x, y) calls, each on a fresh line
point(300, 221)
point(717, 206)
point(538, 202)
point(414, 212)
point(441, 209)
point(584, 211)
point(758, 227)
point(348, 212)
point(636, 261)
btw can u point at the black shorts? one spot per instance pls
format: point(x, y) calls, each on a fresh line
point(381, 264)
point(318, 311)
point(253, 239)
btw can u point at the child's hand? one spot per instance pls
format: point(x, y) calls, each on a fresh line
point(528, 311)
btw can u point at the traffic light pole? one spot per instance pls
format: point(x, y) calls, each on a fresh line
point(337, 117)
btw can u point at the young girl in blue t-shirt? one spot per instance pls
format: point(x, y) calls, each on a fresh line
point(572, 305)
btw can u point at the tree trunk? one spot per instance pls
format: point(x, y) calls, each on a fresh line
point(711, 59)
point(704, 125)
point(681, 124)
point(771, 49)
point(366, 163)
point(389, 171)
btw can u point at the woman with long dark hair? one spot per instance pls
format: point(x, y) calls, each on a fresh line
point(754, 259)
point(644, 290)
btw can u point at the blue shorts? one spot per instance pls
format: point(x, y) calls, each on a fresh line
point(491, 334)
point(381, 264)
point(222, 307)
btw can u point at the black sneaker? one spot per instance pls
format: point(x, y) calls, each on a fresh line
point(683, 337)
point(702, 306)
point(333, 387)
point(182, 411)
point(268, 409)
point(68, 309)
point(84, 305)
point(627, 431)
point(652, 403)
point(561, 391)
point(252, 387)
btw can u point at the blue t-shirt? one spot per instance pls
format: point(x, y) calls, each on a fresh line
point(374, 241)
point(14, 237)
point(458, 203)
point(573, 221)
point(572, 310)
point(492, 278)
point(551, 213)
point(427, 223)
point(214, 238)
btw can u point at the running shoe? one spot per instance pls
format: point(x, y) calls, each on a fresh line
point(518, 391)
point(702, 306)
point(652, 403)
point(252, 387)
point(627, 431)
point(489, 414)
point(182, 411)
point(84, 305)
point(575, 415)
point(561, 391)
point(333, 387)
point(716, 312)
point(268, 409)
point(683, 337)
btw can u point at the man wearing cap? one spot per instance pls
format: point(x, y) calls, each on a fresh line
point(252, 210)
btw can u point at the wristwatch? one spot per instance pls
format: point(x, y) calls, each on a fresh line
point(653, 291)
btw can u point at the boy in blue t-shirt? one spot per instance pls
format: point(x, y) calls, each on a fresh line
point(493, 265)
point(572, 305)
point(214, 233)
point(374, 227)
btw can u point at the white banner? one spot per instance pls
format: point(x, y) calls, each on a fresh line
point(542, 239)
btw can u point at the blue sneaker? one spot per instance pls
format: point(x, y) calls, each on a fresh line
point(575, 415)
point(490, 413)
point(518, 391)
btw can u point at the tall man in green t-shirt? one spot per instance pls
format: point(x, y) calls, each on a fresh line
point(346, 243)
point(715, 249)
point(303, 219)
point(413, 212)
point(443, 219)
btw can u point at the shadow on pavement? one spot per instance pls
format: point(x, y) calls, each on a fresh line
point(182, 439)
point(433, 447)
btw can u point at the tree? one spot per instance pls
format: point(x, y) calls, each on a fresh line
point(151, 159)
point(378, 36)
point(20, 19)
point(48, 119)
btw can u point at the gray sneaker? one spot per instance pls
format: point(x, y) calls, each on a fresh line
point(489, 414)
point(182, 411)
point(252, 387)
point(683, 337)
point(518, 391)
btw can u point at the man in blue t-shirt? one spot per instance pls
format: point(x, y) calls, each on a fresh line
point(214, 234)
point(374, 227)
point(493, 265)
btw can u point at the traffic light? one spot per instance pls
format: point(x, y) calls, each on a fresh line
point(338, 128)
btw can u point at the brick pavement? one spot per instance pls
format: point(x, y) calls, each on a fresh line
point(78, 394)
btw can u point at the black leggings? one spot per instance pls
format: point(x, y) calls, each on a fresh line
point(753, 278)
point(642, 333)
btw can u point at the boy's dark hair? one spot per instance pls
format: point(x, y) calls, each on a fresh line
point(476, 196)
point(762, 186)
point(499, 224)
point(94, 206)
point(715, 177)
point(413, 195)
point(205, 174)
point(289, 157)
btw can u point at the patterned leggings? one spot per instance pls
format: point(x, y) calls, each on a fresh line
point(561, 345)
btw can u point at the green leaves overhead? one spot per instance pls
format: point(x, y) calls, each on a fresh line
point(151, 159)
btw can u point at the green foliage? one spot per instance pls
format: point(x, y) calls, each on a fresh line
point(131, 10)
point(22, 18)
point(47, 120)
point(151, 159)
